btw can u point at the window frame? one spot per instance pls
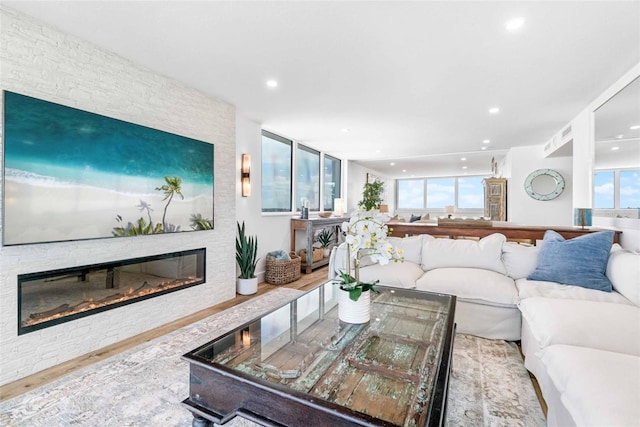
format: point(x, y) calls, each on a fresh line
point(294, 146)
point(616, 188)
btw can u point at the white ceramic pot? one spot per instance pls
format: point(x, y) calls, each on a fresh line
point(247, 286)
point(326, 252)
point(350, 311)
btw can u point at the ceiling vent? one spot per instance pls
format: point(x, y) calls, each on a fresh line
point(566, 132)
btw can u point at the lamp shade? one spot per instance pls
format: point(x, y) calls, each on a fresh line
point(338, 207)
point(582, 217)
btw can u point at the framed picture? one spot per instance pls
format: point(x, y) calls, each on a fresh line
point(71, 174)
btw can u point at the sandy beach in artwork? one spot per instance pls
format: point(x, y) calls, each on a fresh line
point(55, 213)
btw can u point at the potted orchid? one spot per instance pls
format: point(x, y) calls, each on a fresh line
point(366, 235)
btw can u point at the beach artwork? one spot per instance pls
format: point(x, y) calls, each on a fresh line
point(71, 174)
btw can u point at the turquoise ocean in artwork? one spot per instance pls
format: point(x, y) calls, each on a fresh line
point(47, 144)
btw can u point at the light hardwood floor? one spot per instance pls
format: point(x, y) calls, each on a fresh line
point(8, 391)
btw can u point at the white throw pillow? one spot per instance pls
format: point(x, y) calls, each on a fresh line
point(519, 260)
point(411, 247)
point(623, 270)
point(485, 253)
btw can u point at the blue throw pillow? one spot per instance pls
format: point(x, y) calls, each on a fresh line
point(581, 261)
point(414, 218)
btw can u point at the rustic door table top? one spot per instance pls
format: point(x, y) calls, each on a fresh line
point(298, 365)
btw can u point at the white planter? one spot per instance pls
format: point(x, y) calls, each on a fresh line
point(350, 311)
point(326, 252)
point(247, 286)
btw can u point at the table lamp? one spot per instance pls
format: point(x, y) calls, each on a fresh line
point(582, 217)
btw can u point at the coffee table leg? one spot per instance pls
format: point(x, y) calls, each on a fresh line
point(199, 421)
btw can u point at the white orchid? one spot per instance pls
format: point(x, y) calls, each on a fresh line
point(366, 235)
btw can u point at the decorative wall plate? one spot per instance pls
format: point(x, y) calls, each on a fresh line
point(529, 184)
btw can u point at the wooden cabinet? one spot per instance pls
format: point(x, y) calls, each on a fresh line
point(309, 227)
point(495, 198)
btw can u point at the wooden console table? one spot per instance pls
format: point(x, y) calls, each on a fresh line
point(309, 226)
point(512, 232)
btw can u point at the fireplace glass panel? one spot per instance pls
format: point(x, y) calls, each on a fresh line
point(53, 297)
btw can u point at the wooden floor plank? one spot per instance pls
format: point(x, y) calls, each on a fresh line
point(16, 388)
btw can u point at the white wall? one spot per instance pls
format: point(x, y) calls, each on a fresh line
point(39, 61)
point(522, 209)
point(272, 230)
point(583, 163)
point(357, 177)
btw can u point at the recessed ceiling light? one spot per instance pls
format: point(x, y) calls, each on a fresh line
point(464, 159)
point(345, 130)
point(464, 167)
point(392, 164)
point(494, 110)
point(619, 136)
point(486, 141)
point(272, 83)
point(615, 148)
point(404, 170)
point(634, 127)
point(514, 23)
point(483, 148)
point(378, 151)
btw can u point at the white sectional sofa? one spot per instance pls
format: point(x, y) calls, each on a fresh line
point(581, 343)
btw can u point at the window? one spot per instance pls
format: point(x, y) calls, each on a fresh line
point(441, 192)
point(630, 189)
point(471, 193)
point(603, 190)
point(280, 178)
point(332, 181)
point(617, 189)
point(410, 194)
point(307, 177)
point(436, 193)
point(276, 173)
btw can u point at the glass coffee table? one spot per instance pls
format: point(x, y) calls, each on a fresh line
point(298, 365)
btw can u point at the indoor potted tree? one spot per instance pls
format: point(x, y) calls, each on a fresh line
point(372, 195)
point(246, 257)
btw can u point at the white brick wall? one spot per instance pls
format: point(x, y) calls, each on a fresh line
point(39, 61)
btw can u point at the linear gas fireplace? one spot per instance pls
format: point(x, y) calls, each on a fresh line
point(52, 297)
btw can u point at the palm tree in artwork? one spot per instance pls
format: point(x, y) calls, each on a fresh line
point(170, 189)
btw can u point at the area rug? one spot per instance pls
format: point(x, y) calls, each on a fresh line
point(145, 385)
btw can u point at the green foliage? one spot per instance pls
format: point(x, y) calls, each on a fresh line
point(172, 187)
point(325, 237)
point(348, 283)
point(372, 195)
point(246, 253)
point(200, 223)
point(140, 227)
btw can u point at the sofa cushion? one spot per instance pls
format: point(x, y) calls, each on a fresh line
point(601, 325)
point(581, 261)
point(599, 388)
point(534, 288)
point(411, 247)
point(623, 270)
point(519, 260)
point(485, 253)
point(471, 284)
point(398, 274)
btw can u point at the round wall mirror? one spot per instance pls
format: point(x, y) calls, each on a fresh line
point(544, 184)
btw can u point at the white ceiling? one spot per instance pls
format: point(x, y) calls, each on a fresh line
point(412, 81)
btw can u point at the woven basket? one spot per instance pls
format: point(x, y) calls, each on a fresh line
point(316, 255)
point(281, 272)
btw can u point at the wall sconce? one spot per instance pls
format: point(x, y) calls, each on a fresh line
point(245, 175)
point(582, 217)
